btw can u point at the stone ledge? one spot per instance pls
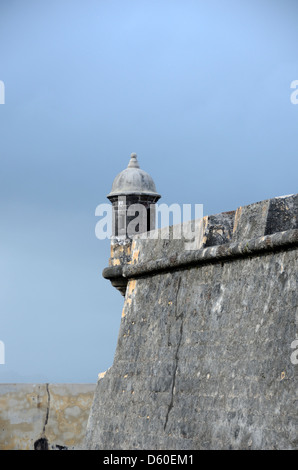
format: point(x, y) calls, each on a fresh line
point(275, 242)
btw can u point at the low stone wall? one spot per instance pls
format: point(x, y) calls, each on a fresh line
point(44, 416)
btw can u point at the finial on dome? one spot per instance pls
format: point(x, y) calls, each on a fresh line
point(133, 163)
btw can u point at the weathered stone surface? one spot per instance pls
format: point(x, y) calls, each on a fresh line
point(227, 234)
point(250, 221)
point(282, 214)
point(186, 259)
point(44, 416)
point(203, 358)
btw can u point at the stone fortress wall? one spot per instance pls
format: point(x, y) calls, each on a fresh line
point(203, 359)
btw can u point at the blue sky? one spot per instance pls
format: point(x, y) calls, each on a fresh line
point(199, 90)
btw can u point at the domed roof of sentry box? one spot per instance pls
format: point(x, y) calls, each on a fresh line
point(133, 181)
